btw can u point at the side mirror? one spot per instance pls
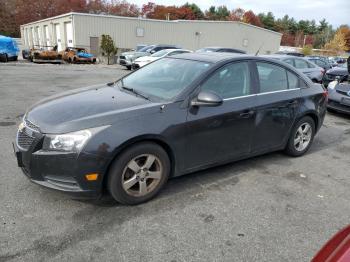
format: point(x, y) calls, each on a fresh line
point(152, 51)
point(207, 98)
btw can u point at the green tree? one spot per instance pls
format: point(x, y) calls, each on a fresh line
point(307, 50)
point(268, 20)
point(108, 47)
point(198, 13)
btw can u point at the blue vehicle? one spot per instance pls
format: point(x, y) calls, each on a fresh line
point(8, 49)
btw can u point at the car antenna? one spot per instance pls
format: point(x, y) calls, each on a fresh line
point(257, 52)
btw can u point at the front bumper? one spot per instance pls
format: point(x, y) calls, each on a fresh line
point(337, 106)
point(39, 60)
point(62, 171)
point(125, 62)
point(86, 60)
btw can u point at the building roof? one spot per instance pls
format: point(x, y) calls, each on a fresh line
point(147, 19)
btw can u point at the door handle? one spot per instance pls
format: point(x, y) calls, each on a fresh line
point(292, 102)
point(246, 114)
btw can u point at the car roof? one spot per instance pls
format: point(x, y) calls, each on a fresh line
point(213, 57)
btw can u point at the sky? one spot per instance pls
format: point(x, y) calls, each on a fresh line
point(336, 12)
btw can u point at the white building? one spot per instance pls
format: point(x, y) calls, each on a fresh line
point(85, 30)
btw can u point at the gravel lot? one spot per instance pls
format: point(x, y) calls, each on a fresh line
point(269, 208)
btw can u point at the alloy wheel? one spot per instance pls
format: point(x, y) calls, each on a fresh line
point(141, 175)
point(303, 137)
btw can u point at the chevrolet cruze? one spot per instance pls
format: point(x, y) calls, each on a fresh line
point(174, 116)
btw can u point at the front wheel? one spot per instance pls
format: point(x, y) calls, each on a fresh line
point(138, 174)
point(301, 137)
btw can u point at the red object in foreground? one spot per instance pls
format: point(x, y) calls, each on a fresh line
point(337, 249)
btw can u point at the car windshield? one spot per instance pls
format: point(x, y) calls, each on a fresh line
point(144, 49)
point(160, 53)
point(165, 78)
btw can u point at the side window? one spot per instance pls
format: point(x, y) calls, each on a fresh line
point(293, 80)
point(310, 65)
point(230, 81)
point(289, 61)
point(320, 63)
point(271, 77)
point(300, 64)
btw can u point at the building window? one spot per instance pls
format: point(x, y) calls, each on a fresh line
point(245, 42)
point(140, 32)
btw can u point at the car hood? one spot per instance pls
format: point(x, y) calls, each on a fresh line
point(343, 87)
point(339, 71)
point(85, 108)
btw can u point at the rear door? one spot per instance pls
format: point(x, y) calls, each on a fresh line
point(217, 134)
point(277, 104)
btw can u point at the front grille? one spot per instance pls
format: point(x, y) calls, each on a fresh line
point(31, 125)
point(24, 140)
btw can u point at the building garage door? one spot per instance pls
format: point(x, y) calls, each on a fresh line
point(46, 35)
point(69, 33)
point(58, 37)
point(94, 45)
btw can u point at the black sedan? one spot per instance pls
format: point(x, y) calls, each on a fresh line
point(172, 117)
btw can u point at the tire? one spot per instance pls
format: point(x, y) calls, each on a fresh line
point(128, 67)
point(298, 148)
point(4, 58)
point(142, 167)
point(15, 58)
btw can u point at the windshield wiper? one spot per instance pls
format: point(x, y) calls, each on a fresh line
point(132, 90)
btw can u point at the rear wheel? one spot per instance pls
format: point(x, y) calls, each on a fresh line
point(301, 137)
point(138, 174)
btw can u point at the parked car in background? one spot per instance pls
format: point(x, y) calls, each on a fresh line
point(337, 249)
point(177, 115)
point(221, 49)
point(290, 53)
point(139, 47)
point(47, 54)
point(77, 55)
point(313, 71)
point(320, 62)
point(25, 53)
point(339, 92)
point(332, 74)
point(127, 58)
point(8, 49)
point(144, 60)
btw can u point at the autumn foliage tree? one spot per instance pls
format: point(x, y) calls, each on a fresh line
point(14, 13)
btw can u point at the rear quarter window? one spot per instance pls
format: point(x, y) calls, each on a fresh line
point(271, 77)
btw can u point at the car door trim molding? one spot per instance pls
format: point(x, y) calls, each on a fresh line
point(237, 97)
point(279, 91)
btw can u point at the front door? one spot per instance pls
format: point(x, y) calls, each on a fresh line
point(277, 105)
point(217, 134)
point(94, 43)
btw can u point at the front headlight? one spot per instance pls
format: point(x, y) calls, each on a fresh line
point(332, 85)
point(70, 142)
